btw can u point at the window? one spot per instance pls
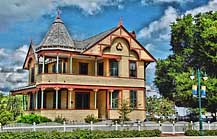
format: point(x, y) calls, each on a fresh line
point(64, 67)
point(133, 98)
point(31, 107)
point(132, 69)
point(32, 75)
point(82, 100)
point(40, 68)
point(60, 68)
point(39, 99)
point(54, 68)
point(113, 67)
point(114, 100)
point(100, 69)
point(46, 68)
point(83, 68)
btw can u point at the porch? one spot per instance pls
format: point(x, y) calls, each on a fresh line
point(76, 104)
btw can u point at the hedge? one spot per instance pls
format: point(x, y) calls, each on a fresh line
point(79, 134)
point(197, 133)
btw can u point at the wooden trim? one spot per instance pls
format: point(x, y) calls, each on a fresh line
point(27, 55)
point(88, 86)
point(154, 60)
point(110, 56)
point(58, 109)
point(44, 52)
point(133, 109)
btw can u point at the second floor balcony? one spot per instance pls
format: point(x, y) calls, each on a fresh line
point(88, 80)
point(88, 70)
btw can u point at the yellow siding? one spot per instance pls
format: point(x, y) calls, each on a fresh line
point(49, 99)
point(63, 98)
point(140, 69)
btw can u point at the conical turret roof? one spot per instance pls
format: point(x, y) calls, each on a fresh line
point(57, 35)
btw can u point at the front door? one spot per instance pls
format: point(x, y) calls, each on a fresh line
point(82, 100)
point(101, 103)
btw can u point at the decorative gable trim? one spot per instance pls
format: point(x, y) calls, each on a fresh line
point(29, 55)
point(128, 36)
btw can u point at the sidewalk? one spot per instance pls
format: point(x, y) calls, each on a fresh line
point(178, 137)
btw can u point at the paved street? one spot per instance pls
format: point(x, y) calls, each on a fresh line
point(179, 137)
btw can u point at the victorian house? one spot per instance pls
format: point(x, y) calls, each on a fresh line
point(75, 78)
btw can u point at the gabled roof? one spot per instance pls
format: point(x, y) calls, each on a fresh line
point(120, 26)
point(85, 44)
point(59, 38)
point(32, 54)
point(57, 35)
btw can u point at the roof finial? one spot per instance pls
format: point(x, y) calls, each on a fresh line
point(58, 13)
point(120, 23)
point(31, 41)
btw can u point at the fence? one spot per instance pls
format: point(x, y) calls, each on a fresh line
point(165, 127)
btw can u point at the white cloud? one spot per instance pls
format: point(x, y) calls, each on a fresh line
point(211, 6)
point(90, 6)
point(147, 2)
point(2, 52)
point(11, 73)
point(159, 29)
point(19, 10)
point(149, 47)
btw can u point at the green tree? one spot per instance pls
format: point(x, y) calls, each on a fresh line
point(5, 117)
point(14, 105)
point(3, 101)
point(124, 110)
point(159, 107)
point(194, 44)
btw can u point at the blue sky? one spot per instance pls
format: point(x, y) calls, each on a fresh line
point(22, 20)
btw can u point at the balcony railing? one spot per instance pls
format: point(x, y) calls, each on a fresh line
point(89, 80)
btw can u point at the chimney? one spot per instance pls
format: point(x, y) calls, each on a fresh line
point(133, 34)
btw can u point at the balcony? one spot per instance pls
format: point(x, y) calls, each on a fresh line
point(89, 80)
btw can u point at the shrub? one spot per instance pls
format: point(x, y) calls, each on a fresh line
point(5, 117)
point(90, 118)
point(210, 133)
point(59, 119)
point(79, 134)
point(31, 118)
point(197, 133)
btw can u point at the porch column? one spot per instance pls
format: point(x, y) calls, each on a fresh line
point(70, 98)
point(95, 97)
point(23, 102)
point(70, 65)
point(57, 66)
point(62, 65)
point(111, 99)
point(42, 98)
point(96, 66)
point(120, 98)
point(36, 100)
point(43, 65)
point(57, 91)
